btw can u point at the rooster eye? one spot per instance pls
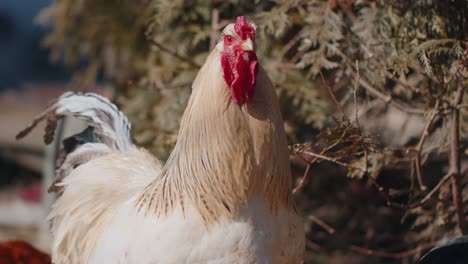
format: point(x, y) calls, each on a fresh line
point(228, 39)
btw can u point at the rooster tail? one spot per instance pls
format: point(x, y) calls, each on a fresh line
point(108, 130)
point(111, 127)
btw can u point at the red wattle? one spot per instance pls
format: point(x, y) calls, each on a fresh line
point(240, 76)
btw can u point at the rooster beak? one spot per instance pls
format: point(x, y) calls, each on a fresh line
point(247, 45)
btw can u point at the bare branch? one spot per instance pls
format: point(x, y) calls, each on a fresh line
point(303, 180)
point(384, 70)
point(290, 44)
point(397, 255)
point(432, 192)
point(334, 160)
point(173, 53)
point(460, 106)
point(455, 158)
point(380, 65)
point(388, 98)
point(298, 55)
point(355, 88)
point(330, 230)
point(332, 95)
point(314, 246)
point(214, 27)
point(432, 115)
point(356, 110)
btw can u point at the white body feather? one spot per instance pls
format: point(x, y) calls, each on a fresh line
point(255, 237)
point(125, 235)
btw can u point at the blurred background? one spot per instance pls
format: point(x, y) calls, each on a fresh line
point(371, 93)
point(28, 82)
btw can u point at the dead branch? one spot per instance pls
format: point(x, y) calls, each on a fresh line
point(397, 255)
point(298, 55)
point(355, 88)
point(214, 27)
point(415, 204)
point(322, 154)
point(314, 246)
point(381, 67)
point(454, 160)
point(303, 180)
point(334, 160)
point(173, 53)
point(332, 95)
point(432, 115)
point(384, 70)
point(356, 110)
point(290, 44)
point(330, 230)
point(460, 106)
point(388, 99)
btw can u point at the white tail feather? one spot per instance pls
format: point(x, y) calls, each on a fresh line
point(111, 126)
point(111, 130)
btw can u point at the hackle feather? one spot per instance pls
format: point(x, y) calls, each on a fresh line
point(225, 154)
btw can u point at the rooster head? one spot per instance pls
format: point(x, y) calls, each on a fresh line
point(238, 59)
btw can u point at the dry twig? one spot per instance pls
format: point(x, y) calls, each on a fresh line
point(330, 230)
point(455, 158)
point(302, 180)
point(423, 200)
point(173, 53)
point(388, 98)
point(332, 95)
point(381, 67)
point(356, 110)
point(430, 120)
point(314, 246)
point(334, 160)
point(290, 44)
point(214, 27)
point(397, 255)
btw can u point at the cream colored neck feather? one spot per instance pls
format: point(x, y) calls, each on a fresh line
point(224, 153)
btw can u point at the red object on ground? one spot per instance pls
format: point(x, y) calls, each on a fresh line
point(32, 194)
point(20, 252)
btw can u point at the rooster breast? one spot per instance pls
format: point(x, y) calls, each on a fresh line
point(256, 236)
point(96, 220)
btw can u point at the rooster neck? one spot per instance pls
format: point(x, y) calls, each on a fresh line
point(224, 153)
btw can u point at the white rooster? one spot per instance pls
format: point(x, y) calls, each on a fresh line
point(223, 196)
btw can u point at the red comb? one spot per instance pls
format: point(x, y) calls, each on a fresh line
point(244, 29)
